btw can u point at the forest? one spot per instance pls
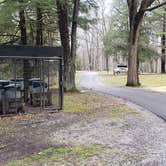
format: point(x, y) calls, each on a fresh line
point(107, 42)
point(82, 82)
point(94, 36)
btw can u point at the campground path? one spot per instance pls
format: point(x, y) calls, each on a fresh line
point(149, 100)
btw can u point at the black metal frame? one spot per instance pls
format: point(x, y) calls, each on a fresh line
point(36, 52)
point(25, 51)
point(61, 88)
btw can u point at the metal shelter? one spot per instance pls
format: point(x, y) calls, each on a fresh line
point(31, 77)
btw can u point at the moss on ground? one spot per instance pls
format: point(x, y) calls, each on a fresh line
point(61, 155)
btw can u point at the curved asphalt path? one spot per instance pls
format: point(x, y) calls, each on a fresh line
point(149, 100)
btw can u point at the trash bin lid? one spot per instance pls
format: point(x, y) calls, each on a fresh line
point(13, 86)
point(4, 82)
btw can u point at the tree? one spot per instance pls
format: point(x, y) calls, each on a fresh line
point(163, 44)
point(39, 26)
point(136, 15)
point(23, 30)
point(42, 19)
point(33, 9)
point(39, 32)
point(65, 9)
point(8, 28)
point(74, 40)
point(116, 40)
point(62, 11)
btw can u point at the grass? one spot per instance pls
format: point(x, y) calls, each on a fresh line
point(85, 102)
point(92, 102)
point(73, 102)
point(121, 111)
point(153, 81)
point(56, 156)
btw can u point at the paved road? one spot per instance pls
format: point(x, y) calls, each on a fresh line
point(152, 101)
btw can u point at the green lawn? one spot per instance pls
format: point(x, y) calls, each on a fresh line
point(152, 81)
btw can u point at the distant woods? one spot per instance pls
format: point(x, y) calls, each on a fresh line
point(129, 32)
point(137, 35)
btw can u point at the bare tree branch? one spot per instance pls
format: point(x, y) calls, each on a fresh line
point(145, 4)
point(11, 42)
point(155, 7)
point(2, 2)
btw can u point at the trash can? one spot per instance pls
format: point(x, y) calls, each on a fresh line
point(13, 96)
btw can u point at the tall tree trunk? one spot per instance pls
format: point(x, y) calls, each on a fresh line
point(89, 52)
point(22, 26)
point(97, 66)
point(39, 27)
point(137, 10)
point(163, 43)
point(74, 41)
point(89, 56)
point(156, 65)
point(31, 33)
point(62, 11)
point(151, 66)
point(39, 36)
point(26, 68)
point(107, 63)
point(136, 19)
point(69, 54)
point(133, 77)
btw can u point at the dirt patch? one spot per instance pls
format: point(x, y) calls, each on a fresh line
point(24, 135)
point(122, 135)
